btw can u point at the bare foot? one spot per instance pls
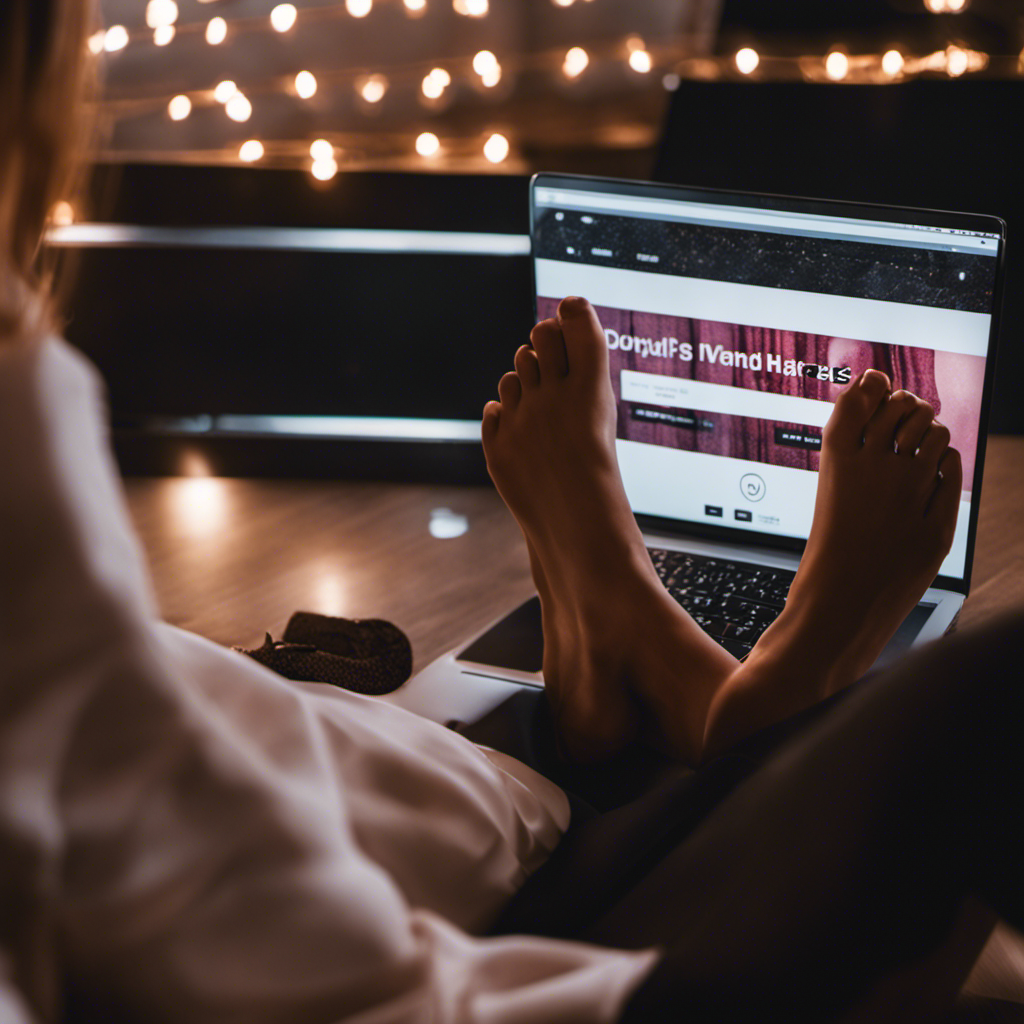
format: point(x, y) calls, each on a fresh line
point(886, 510)
point(550, 448)
point(888, 497)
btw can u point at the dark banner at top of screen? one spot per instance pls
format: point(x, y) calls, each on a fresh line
point(829, 266)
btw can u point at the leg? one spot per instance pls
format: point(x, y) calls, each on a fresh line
point(851, 854)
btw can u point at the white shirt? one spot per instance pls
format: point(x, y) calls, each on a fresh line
point(193, 838)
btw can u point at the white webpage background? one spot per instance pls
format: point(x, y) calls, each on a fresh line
point(660, 481)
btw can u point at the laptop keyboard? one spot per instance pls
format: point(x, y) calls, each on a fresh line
point(734, 602)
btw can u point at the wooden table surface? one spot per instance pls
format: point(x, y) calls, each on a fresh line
point(232, 559)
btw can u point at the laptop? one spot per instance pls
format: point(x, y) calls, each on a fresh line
point(733, 321)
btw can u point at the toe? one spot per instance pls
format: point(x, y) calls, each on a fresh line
point(527, 367)
point(549, 345)
point(585, 341)
point(489, 424)
point(510, 390)
point(854, 409)
point(912, 428)
point(880, 431)
point(945, 502)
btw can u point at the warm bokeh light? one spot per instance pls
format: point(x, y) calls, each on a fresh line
point(321, 149)
point(305, 84)
point(483, 61)
point(179, 108)
point(956, 61)
point(238, 108)
point(427, 144)
point(164, 35)
point(415, 6)
point(283, 17)
point(251, 151)
point(747, 60)
point(432, 88)
point(892, 62)
point(956, 6)
point(359, 8)
point(225, 90)
point(161, 12)
point(198, 504)
point(373, 88)
point(471, 8)
point(216, 31)
point(62, 214)
point(324, 170)
point(575, 63)
point(837, 64)
point(641, 61)
point(671, 82)
point(115, 38)
point(97, 40)
point(563, 3)
point(496, 148)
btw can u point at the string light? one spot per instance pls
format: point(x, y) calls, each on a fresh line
point(747, 60)
point(283, 17)
point(321, 150)
point(471, 8)
point(428, 144)
point(179, 108)
point(415, 6)
point(97, 41)
point(563, 3)
point(945, 6)
point(115, 38)
point(324, 170)
point(486, 65)
point(225, 90)
point(305, 84)
point(837, 64)
point(373, 88)
point(238, 108)
point(496, 148)
point(164, 34)
point(892, 62)
point(434, 84)
point(641, 61)
point(160, 13)
point(956, 61)
point(359, 8)
point(575, 63)
point(251, 151)
point(216, 31)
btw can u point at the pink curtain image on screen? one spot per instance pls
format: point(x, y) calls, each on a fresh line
point(766, 359)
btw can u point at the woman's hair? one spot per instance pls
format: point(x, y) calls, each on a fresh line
point(44, 63)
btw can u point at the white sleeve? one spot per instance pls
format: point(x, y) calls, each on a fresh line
point(173, 869)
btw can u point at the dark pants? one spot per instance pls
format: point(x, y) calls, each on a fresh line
point(786, 877)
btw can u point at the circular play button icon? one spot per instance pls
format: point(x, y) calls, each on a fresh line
point(752, 487)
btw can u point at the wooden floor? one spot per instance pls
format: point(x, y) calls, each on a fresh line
point(232, 559)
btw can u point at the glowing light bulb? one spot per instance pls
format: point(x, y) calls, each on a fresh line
point(641, 61)
point(747, 60)
point(179, 108)
point(575, 63)
point(427, 144)
point(483, 61)
point(116, 38)
point(435, 83)
point(305, 84)
point(161, 12)
point(62, 214)
point(164, 35)
point(358, 8)
point(283, 16)
point(324, 170)
point(837, 64)
point(225, 90)
point(492, 77)
point(415, 6)
point(321, 150)
point(238, 108)
point(216, 31)
point(956, 61)
point(97, 41)
point(892, 62)
point(471, 8)
point(251, 151)
point(496, 148)
point(442, 76)
point(372, 89)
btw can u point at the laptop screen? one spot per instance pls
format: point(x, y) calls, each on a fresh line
point(733, 322)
